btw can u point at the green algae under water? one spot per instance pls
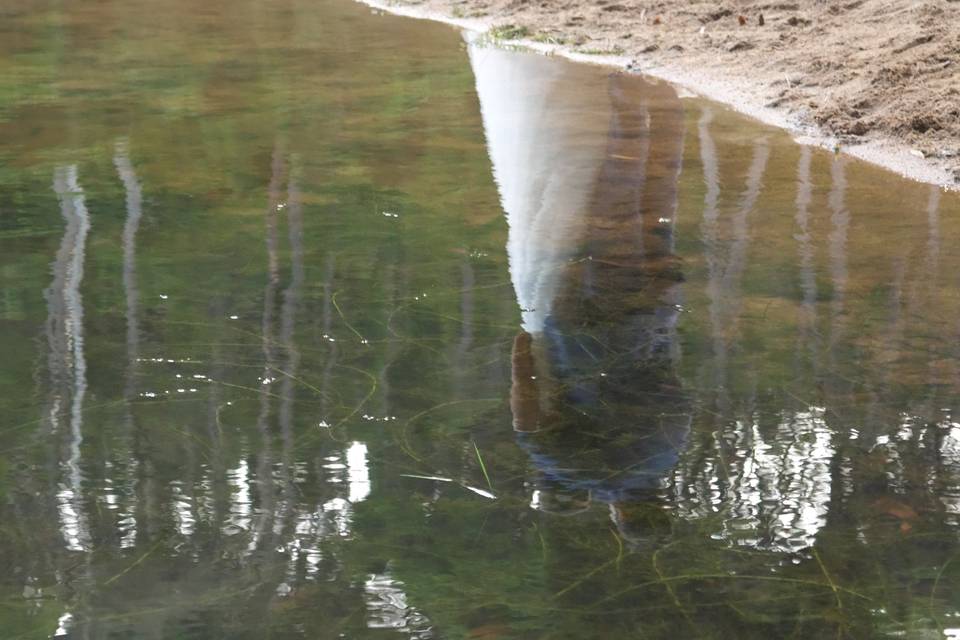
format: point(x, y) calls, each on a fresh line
point(320, 323)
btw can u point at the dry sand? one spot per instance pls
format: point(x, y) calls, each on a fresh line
point(879, 78)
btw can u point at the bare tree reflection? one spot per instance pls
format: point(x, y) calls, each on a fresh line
point(68, 365)
point(806, 254)
point(837, 249)
point(127, 518)
point(264, 518)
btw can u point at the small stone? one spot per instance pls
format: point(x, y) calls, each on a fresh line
point(859, 128)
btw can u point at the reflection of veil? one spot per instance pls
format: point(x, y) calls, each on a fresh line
point(587, 166)
point(532, 118)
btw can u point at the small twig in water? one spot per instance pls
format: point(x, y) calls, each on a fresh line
point(483, 467)
point(135, 563)
point(833, 586)
point(336, 306)
point(619, 548)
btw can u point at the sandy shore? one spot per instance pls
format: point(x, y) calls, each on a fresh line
point(878, 78)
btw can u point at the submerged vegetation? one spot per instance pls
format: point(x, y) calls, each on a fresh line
point(509, 32)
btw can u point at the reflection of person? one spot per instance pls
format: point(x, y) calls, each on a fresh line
point(596, 402)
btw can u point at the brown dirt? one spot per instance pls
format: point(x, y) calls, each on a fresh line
point(860, 70)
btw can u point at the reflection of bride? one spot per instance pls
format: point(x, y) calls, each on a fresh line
point(587, 165)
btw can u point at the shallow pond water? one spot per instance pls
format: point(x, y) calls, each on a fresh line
point(321, 323)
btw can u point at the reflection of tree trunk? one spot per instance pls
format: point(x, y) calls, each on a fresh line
point(806, 252)
point(212, 483)
point(710, 237)
point(288, 319)
point(134, 201)
point(459, 355)
point(291, 298)
point(781, 484)
point(134, 207)
point(913, 287)
point(467, 283)
point(837, 247)
point(726, 261)
point(725, 273)
point(264, 471)
point(67, 369)
point(932, 255)
point(931, 268)
point(711, 174)
point(67, 347)
point(329, 274)
point(389, 271)
point(729, 285)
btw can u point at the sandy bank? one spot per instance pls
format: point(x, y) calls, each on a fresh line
point(879, 78)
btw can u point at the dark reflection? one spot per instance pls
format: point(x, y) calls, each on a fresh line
point(596, 401)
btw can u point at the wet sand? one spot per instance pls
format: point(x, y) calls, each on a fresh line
point(877, 79)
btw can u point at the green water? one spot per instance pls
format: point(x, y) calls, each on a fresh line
point(319, 323)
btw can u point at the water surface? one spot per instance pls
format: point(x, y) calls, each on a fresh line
point(319, 323)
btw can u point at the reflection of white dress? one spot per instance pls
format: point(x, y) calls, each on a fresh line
point(546, 135)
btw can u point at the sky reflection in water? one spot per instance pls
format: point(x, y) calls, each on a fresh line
point(306, 338)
